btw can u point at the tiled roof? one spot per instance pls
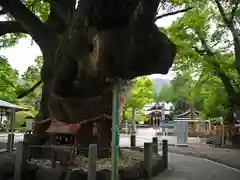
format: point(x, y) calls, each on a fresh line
point(10, 105)
point(62, 128)
point(157, 106)
point(189, 114)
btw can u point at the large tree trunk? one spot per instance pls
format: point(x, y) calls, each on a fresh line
point(103, 138)
point(83, 111)
point(85, 51)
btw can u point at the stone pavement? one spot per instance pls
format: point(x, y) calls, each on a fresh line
point(229, 157)
point(184, 167)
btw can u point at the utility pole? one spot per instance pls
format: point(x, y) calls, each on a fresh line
point(222, 125)
point(115, 137)
point(120, 92)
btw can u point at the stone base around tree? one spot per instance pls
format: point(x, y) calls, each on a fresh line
point(134, 169)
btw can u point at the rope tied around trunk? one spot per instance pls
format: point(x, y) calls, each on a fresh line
point(91, 119)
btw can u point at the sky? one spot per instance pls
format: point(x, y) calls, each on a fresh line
point(25, 51)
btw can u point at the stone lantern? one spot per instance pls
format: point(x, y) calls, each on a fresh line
point(29, 123)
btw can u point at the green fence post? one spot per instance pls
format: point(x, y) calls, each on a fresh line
point(115, 141)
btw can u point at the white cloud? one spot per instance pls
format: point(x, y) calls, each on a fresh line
point(22, 54)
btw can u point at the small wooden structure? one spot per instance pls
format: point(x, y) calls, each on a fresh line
point(63, 133)
point(197, 126)
point(230, 130)
point(156, 114)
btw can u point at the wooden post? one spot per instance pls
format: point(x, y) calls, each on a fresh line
point(27, 149)
point(155, 144)
point(126, 126)
point(54, 155)
point(148, 159)
point(20, 161)
point(222, 132)
point(133, 140)
point(165, 152)
point(11, 131)
point(115, 130)
point(92, 158)
point(133, 120)
point(10, 142)
point(75, 147)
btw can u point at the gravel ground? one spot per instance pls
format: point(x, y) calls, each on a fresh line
point(130, 157)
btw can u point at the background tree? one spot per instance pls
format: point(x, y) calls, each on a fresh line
point(8, 81)
point(32, 100)
point(30, 77)
point(182, 93)
point(11, 85)
point(142, 93)
point(208, 45)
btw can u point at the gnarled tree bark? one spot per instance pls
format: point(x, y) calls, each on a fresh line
point(85, 51)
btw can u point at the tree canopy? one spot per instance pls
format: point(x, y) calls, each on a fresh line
point(208, 43)
point(12, 84)
point(207, 39)
point(142, 92)
point(8, 80)
point(207, 64)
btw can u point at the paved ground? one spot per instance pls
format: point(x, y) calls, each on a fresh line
point(228, 157)
point(192, 168)
point(196, 148)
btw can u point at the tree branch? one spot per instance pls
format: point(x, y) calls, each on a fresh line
point(234, 9)
point(145, 12)
point(172, 13)
point(28, 21)
point(230, 24)
point(220, 73)
point(11, 27)
point(202, 52)
point(25, 93)
point(222, 12)
point(61, 13)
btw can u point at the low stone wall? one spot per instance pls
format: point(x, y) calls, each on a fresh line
point(130, 173)
point(33, 171)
